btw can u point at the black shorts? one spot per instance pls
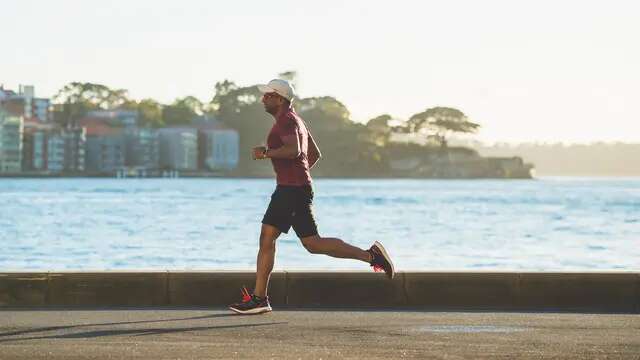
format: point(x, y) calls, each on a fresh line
point(291, 206)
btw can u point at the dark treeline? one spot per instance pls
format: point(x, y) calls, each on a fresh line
point(349, 148)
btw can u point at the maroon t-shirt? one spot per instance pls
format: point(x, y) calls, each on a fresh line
point(290, 171)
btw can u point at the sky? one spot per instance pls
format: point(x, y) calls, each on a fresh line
point(543, 71)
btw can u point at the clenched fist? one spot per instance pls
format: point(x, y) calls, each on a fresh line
point(258, 152)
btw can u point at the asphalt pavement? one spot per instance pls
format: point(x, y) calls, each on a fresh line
point(200, 333)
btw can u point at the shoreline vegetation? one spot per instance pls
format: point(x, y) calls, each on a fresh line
point(213, 175)
point(386, 146)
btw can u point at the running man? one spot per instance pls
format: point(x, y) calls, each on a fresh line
point(293, 152)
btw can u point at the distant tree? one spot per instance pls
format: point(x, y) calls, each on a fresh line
point(333, 113)
point(380, 129)
point(221, 90)
point(192, 103)
point(182, 111)
point(93, 96)
point(76, 99)
point(439, 122)
point(381, 121)
point(150, 113)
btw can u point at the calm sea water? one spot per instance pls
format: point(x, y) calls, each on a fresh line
point(96, 224)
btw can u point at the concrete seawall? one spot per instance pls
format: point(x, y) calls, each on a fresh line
point(501, 291)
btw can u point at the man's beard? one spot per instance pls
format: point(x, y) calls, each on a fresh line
point(271, 110)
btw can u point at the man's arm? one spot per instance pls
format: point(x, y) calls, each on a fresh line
point(289, 150)
point(314, 152)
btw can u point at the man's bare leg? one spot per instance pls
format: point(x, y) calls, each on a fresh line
point(334, 247)
point(266, 257)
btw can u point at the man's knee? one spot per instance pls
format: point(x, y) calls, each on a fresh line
point(268, 236)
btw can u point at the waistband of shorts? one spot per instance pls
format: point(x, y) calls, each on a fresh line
point(294, 187)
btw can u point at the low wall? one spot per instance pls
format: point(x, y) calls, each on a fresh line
point(502, 291)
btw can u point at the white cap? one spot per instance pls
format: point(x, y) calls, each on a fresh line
point(280, 87)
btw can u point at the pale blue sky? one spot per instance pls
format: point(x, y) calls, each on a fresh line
point(527, 71)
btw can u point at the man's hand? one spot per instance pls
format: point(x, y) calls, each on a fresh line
point(258, 152)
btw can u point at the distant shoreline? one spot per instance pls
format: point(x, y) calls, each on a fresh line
point(217, 176)
point(538, 177)
point(346, 177)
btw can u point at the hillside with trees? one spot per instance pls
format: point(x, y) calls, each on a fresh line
point(350, 149)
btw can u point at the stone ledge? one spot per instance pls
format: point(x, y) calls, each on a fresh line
point(501, 291)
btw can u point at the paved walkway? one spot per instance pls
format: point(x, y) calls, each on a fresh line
point(206, 333)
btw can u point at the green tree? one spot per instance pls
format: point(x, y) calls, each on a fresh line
point(221, 92)
point(192, 103)
point(76, 99)
point(329, 113)
point(93, 96)
point(150, 113)
point(182, 111)
point(440, 122)
point(380, 129)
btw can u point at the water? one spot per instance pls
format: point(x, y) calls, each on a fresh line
point(552, 224)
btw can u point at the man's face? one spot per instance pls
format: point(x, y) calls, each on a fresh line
point(271, 102)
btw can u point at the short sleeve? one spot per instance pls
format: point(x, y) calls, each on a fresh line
point(286, 128)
